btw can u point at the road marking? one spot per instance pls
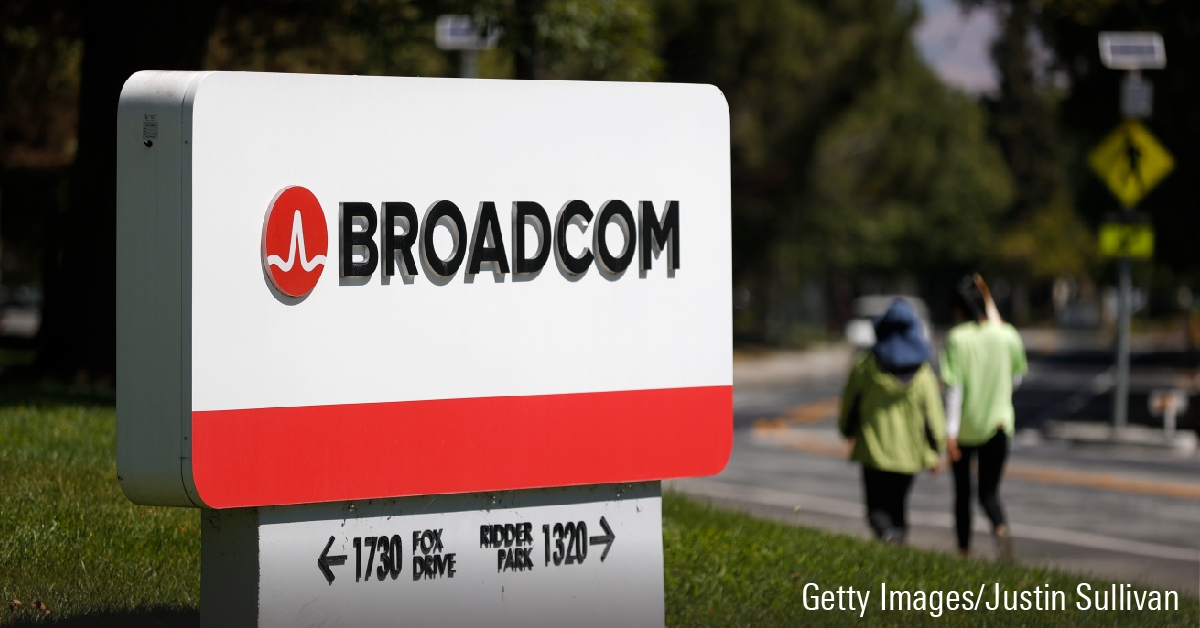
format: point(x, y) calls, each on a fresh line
point(776, 430)
point(842, 508)
point(813, 412)
point(804, 414)
point(1103, 481)
point(807, 443)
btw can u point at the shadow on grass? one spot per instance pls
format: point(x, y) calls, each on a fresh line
point(147, 619)
point(23, 382)
point(48, 392)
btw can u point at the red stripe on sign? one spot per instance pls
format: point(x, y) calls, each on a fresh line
point(274, 456)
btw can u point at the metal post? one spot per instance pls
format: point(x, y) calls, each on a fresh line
point(1133, 52)
point(1121, 396)
point(1169, 420)
point(468, 64)
point(468, 36)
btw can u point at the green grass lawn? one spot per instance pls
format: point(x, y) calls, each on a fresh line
point(68, 537)
point(727, 569)
point(70, 540)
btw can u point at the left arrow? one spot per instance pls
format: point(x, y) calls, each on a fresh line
point(325, 561)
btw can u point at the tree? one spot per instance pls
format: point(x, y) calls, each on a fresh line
point(39, 84)
point(848, 155)
point(595, 40)
point(789, 69)
point(906, 182)
point(1089, 111)
point(78, 337)
point(373, 37)
point(1021, 115)
point(40, 54)
point(591, 39)
point(1042, 236)
point(606, 40)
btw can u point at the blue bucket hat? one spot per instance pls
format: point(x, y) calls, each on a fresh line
point(898, 341)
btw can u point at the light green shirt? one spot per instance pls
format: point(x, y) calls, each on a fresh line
point(983, 358)
point(893, 417)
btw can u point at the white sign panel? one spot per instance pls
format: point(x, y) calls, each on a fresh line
point(335, 288)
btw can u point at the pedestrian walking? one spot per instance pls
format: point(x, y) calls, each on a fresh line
point(983, 361)
point(892, 413)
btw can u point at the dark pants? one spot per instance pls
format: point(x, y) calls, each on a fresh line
point(887, 500)
point(992, 455)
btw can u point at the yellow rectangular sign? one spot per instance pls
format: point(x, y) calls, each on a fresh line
point(1126, 240)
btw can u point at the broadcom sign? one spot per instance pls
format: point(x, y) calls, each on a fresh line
point(335, 288)
point(294, 272)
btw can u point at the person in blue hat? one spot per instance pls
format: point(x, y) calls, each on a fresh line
point(892, 414)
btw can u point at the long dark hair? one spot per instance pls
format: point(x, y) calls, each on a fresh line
point(969, 299)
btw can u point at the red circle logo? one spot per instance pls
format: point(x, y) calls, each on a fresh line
point(295, 241)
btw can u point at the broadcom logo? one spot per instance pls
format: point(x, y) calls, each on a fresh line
point(295, 242)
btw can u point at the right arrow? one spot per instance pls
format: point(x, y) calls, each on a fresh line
point(607, 539)
point(325, 560)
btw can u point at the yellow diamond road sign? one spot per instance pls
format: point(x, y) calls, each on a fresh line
point(1131, 161)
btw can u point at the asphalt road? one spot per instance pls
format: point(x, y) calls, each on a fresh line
point(1128, 514)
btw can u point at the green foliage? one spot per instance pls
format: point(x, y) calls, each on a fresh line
point(1052, 242)
point(68, 536)
point(848, 154)
point(40, 57)
point(591, 40)
point(1089, 111)
point(578, 39)
point(906, 180)
point(609, 40)
point(1021, 116)
point(381, 37)
point(728, 569)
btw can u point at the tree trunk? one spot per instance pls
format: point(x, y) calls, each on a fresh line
point(528, 62)
point(78, 335)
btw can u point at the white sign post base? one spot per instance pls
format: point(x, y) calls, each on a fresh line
point(574, 556)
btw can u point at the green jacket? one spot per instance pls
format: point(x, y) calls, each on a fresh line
point(893, 417)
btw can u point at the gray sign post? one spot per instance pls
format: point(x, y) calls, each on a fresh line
point(468, 36)
point(1132, 52)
